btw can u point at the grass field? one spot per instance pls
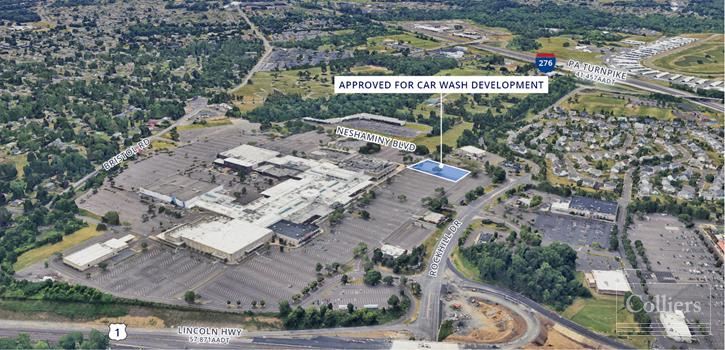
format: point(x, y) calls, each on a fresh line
point(605, 102)
point(209, 123)
point(41, 253)
point(463, 266)
point(162, 144)
point(703, 59)
point(263, 83)
point(449, 137)
point(600, 313)
point(369, 69)
point(555, 45)
point(376, 43)
point(20, 161)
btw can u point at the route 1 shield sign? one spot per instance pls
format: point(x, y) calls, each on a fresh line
point(117, 331)
point(545, 62)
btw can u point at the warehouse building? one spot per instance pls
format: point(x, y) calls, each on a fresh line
point(587, 207)
point(97, 253)
point(608, 282)
point(224, 238)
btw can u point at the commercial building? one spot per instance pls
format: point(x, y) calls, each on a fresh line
point(434, 218)
point(612, 282)
point(588, 208)
point(293, 233)
point(224, 238)
point(675, 325)
point(179, 190)
point(97, 253)
point(245, 157)
point(392, 251)
point(311, 190)
point(472, 152)
point(358, 116)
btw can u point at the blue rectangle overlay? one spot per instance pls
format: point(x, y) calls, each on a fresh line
point(439, 170)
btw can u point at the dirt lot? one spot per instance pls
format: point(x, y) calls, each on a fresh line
point(480, 321)
point(557, 338)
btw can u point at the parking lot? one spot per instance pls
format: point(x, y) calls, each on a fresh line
point(358, 295)
point(577, 232)
point(671, 248)
point(161, 273)
point(188, 160)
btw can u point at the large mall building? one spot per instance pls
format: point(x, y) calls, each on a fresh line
point(310, 191)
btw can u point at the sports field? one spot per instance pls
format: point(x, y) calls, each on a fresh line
point(702, 59)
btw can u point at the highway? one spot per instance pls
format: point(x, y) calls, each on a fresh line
point(631, 81)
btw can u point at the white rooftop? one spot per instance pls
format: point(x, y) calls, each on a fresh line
point(297, 200)
point(97, 251)
point(675, 325)
point(613, 280)
point(89, 254)
point(227, 236)
point(473, 150)
point(392, 250)
point(248, 155)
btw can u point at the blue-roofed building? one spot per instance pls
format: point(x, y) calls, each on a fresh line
point(588, 207)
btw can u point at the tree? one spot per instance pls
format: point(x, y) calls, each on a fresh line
point(344, 279)
point(318, 267)
point(394, 302)
point(103, 265)
point(71, 340)
point(388, 280)
point(111, 218)
point(360, 250)
point(174, 134)
point(365, 215)
point(372, 278)
point(284, 308)
point(96, 340)
point(262, 303)
point(190, 296)
point(254, 304)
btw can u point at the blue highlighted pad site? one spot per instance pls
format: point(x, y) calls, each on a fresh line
point(446, 172)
